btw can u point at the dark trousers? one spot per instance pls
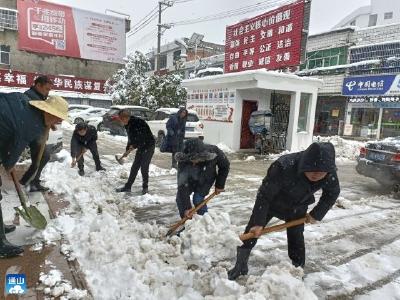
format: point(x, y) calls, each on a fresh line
point(178, 148)
point(295, 239)
point(35, 148)
point(142, 161)
point(183, 199)
point(95, 153)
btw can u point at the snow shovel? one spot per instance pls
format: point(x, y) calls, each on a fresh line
point(250, 235)
point(120, 160)
point(78, 158)
point(191, 213)
point(30, 214)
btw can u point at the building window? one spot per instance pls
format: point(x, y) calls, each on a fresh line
point(177, 55)
point(304, 112)
point(152, 64)
point(5, 55)
point(389, 15)
point(8, 19)
point(163, 61)
point(372, 20)
point(327, 58)
point(353, 23)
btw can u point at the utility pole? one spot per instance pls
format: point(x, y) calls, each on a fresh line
point(160, 27)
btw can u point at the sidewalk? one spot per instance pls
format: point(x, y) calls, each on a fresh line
point(37, 258)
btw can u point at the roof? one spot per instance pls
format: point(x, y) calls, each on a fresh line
point(80, 105)
point(174, 110)
point(363, 10)
point(128, 106)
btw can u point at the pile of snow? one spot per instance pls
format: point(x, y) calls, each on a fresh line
point(345, 149)
point(250, 158)
point(134, 260)
point(225, 148)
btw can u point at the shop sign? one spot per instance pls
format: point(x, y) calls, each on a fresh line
point(371, 85)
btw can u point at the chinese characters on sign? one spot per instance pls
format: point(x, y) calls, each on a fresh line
point(371, 85)
point(212, 105)
point(61, 83)
point(271, 40)
point(15, 284)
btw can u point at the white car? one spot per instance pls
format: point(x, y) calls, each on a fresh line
point(97, 122)
point(158, 126)
point(82, 115)
point(73, 108)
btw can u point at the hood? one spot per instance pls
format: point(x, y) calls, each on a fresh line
point(318, 157)
point(195, 149)
point(181, 109)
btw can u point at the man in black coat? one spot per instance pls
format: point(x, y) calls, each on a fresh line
point(22, 122)
point(176, 128)
point(285, 193)
point(83, 138)
point(199, 167)
point(140, 138)
point(40, 91)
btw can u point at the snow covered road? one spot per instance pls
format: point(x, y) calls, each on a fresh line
point(119, 239)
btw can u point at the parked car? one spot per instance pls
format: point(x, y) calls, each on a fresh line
point(82, 115)
point(194, 127)
point(111, 122)
point(77, 107)
point(97, 122)
point(381, 161)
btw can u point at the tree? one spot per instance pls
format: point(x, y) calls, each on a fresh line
point(128, 85)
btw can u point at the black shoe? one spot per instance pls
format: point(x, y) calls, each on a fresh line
point(123, 189)
point(145, 191)
point(100, 169)
point(81, 173)
point(8, 250)
point(240, 267)
point(37, 187)
point(9, 228)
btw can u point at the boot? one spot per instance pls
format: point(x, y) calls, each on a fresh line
point(9, 228)
point(100, 169)
point(240, 267)
point(81, 172)
point(37, 187)
point(6, 248)
point(145, 190)
point(123, 189)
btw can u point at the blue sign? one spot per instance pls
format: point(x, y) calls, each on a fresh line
point(16, 284)
point(371, 85)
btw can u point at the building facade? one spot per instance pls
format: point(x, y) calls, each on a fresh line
point(78, 80)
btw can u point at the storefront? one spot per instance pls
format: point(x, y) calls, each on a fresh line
point(225, 103)
point(330, 115)
point(373, 109)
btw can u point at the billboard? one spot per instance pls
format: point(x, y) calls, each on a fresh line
point(212, 104)
point(55, 29)
point(61, 83)
point(371, 85)
point(273, 40)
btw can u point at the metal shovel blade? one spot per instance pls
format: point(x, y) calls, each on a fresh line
point(119, 160)
point(32, 216)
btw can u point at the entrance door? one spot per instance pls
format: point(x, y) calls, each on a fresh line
point(246, 137)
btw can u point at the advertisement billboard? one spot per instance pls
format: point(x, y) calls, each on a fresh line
point(371, 85)
point(273, 40)
point(55, 29)
point(21, 79)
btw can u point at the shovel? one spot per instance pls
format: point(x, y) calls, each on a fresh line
point(250, 235)
point(30, 214)
point(191, 213)
point(120, 159)
point(78, 158)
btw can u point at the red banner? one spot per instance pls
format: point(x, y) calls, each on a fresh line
point(271, 40)
point(61, 83)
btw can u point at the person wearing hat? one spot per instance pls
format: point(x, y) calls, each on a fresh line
point(200, 166)
point(83, 138)
point(140, 138)
point(285, 193)
point(21, 122)
point(39, 91)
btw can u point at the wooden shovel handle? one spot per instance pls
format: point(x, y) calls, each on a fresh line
point(250, 235)
point(21, 194)
point(191, 213)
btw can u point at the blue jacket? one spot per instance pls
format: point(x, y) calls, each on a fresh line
point(20, 124)
point(176, 128)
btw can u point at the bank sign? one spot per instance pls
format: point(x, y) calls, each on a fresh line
point(371, 85)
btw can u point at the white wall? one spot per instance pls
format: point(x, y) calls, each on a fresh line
point(380, 7)
point(219, 132)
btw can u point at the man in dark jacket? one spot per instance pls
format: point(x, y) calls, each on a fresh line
point(21, 122)
point(199, 166)
point(140, 138)
point(285, 193)
point(176, 128)
point(83, 138)
point(40, 91)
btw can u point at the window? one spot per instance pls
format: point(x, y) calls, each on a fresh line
point(4, 55)
point(152, 64)
point(177, 55)
point(388, 15)
point(327, 58)
point(372, 20)
point(163, 61)
point(304, 112)
point(353, 23)
point(8, 19)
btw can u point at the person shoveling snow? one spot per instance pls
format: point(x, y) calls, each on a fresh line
point(285, 193)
